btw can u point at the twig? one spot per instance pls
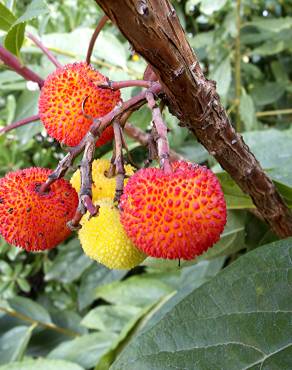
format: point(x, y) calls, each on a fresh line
point(112, 169)
point(46, 51)
point(99, 27)
point(142, 137)
point(274, 112)
point(49, 326)
point(11, 61)
point(96, 129)
point(19, 123)
point(86, 177)
point(85, 194)
point(117, 85)
point(161, 128)
point(119, 161)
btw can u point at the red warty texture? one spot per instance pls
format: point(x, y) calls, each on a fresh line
point(30, 220)
point(60, 103)
point(177, 215)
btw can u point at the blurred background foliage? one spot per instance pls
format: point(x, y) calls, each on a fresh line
point(61, 310)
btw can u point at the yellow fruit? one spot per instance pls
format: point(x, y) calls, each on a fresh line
point(103, 239)
point(103, 187)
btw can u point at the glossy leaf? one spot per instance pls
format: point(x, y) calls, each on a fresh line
point(239, 320)
point(6, 18)
point(69, 264)
point(30, 309)
point(85, 350)
point(42, 364)
point(13, 343)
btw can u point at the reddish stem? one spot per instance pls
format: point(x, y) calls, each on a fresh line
point(117, 85)
point(46, 51)
point(99, 27)
point(89, 205)
point(11, 61)
point(19, 123)
point(161, 128)
point(96, 129)
point(143, 137)
point(119, 161)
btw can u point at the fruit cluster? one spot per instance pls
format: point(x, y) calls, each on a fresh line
point(176, 214)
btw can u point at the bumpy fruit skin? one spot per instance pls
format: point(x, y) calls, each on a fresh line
point(32, 221)
point(103, 187)
point(103, 239)
point(60, 103)
point(177, 215)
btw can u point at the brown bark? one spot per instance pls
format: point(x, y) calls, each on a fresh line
point(153, 29)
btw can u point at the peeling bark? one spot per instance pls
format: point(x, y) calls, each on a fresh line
point(153, 29)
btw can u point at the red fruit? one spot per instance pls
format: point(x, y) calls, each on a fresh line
point(30, 220)
point(177, 215)
point(60, 103)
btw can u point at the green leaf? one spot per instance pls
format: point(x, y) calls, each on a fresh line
point(86, 350)
point(247, 111)
point(270, 47)
point(69, 264)
point(34, 9)
point(272, 24)
point(30, 309)
point(234, 196)
point(13, 343)
point(14, 38)
point(110, 318)
point(42, 364)
point(268, 93)
point(210, 6)
point(237, 320)
point(96, 275)
point(6, 18)
point(232, 239)
point(261, 142)
point(27, 105)
point(137, 290)
point(11, 81)
point(222, 76)
point(107, 47)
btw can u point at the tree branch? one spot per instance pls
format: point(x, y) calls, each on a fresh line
point(11, 61)
point(154, 30)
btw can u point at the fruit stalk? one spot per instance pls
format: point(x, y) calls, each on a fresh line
point(94, 37)
point(161, 129)
point(156, 34)
point(119, 161)
point(45, 50)
point(96, 129)
point(142, 137)
point(85, 195)
point(11, 61)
